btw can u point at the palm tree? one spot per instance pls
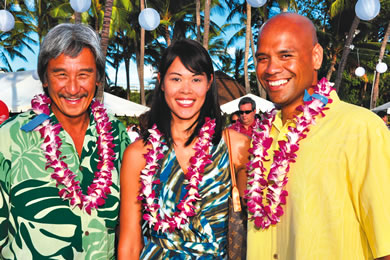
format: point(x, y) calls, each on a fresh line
point(337, 8)
point(346, 51)
point(377, 74)
point(141, 61)
point(14, 42)
point(104, 42)
point(206, 24)
point(197, 15)
point(247, 42)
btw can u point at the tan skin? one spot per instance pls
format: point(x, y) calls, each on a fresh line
point(288, 64)
point(247, 119)
point(71, 82)
point(179, 84)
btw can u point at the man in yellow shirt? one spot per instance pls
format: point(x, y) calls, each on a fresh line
point(319, 177)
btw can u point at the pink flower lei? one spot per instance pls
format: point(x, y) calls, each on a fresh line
point(186, 207)
point(99, 189)
point(272, 187)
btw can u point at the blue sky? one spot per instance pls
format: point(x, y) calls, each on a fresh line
point(32, 60)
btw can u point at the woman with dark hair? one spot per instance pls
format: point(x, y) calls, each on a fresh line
point(175, 183)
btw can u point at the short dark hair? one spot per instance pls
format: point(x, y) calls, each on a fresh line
point(381, 113)
point(197, 60)
point(70, 39)
point(247, 100)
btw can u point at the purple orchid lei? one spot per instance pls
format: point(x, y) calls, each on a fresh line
point(187, 206)
point(70, 189)
point(267, 211)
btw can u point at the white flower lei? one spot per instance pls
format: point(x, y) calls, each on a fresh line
point(270, 189)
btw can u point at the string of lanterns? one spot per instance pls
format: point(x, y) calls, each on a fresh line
point(367, 10)
point(80, 6)
point(7, 20)
point(149, 19)
point(257, 3)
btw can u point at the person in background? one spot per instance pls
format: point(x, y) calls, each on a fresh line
point(247, 122)
point(234, 117)
point(60, 161)
point(176, 180)
point(4, 113)
point(383, 114)
point(318, 178)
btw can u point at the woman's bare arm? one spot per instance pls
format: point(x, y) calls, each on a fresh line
point(130, 234)
point(240, 144)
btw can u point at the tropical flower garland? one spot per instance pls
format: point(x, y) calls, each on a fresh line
point(266, 195)
point(186, 207)
point(99, 189)
point(237, 125)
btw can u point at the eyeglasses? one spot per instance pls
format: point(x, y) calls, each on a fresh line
point(245, 111)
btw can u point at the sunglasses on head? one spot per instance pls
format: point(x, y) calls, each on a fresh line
point(245, 111)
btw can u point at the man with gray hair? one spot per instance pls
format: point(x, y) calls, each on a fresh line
point(248, 120)
point(60, 161)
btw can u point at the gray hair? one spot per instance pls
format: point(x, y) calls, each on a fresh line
point(70, 39)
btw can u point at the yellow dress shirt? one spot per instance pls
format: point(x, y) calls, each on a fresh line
point(338, 205)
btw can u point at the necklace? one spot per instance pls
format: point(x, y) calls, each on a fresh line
point(70, 189)
point(266, 195)
point(186, 207)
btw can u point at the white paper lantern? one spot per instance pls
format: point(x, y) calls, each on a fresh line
point(257, 3)
point(367, 9)
point(360, 71)
point(7, 21)
point(149, 19)
point(80, 6)
point(381, 67)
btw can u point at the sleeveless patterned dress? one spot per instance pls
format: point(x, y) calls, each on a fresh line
point(205, 236)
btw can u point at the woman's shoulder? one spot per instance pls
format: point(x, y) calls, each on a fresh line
point(136, 149)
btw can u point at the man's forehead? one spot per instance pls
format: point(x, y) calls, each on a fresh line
point(292, 24)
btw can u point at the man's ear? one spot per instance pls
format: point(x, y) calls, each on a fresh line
point(318, 54)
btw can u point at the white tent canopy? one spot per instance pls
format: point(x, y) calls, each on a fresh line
point(18, 88)
point(384, 107)
point(262, 104)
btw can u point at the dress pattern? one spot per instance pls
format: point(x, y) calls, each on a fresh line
point(205, 236)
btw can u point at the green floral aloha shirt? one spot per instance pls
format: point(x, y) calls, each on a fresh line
point(35, 223)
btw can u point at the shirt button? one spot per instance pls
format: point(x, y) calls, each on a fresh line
point(86, 233)
point(275, 256)
point(81, 168)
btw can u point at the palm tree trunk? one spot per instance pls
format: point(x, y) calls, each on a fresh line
point(140, 65)
point(167, 35)
point(206, 24)
point(127, 67)
point(346, 51)
point(260, 88)
point(331, 68)
point(246, 53)
point(198, 36)
point(77, 17)
point(375, 90)
point(104, 42)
